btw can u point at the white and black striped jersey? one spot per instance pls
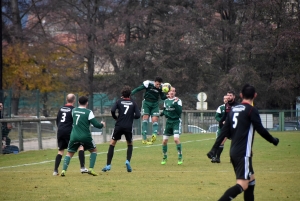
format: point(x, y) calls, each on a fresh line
point(127, 112)
point(241, 123)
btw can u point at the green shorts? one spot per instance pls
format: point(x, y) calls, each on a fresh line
point(172, 127)
point(87, 143)
point(150, 108)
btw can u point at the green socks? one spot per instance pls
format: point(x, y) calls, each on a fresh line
point(178, 146)
point(66, 162)
point(144, 129)
point(93, 159)
point(165, 150)
point(154, 128)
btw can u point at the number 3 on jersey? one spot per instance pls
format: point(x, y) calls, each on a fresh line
point(63, 117)
point(235, 120)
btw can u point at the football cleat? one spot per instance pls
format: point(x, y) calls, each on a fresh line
point(92, 172)
point(106, 168)
point(127, 163)
point(164, 161)
point(146, 142)
point(153, 138)
point(180, 161)
point(215, 160)
point(55, 173)
point(63, 173)
point(84, 170)
point(210, 155)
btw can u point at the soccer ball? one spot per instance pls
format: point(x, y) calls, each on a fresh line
point(166, 87)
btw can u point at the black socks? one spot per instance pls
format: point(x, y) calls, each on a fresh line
point(231, 193)
point(81, 158)
point(129, 152)
point(219, 150)
point(110, 154)
point(57, 162)
point(249, 193)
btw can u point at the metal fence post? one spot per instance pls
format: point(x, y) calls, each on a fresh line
point(184, 122)
point(37, 103)
point(39, 132)
point(281, 121)
point(20, 133)
point(9, 103)
point(104, 131)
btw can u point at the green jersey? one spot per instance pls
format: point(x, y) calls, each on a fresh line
point(172, 110)
point(82, 118)
point(152, 94)
point(220, 112)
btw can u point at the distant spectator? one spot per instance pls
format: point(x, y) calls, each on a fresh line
point(6, 128)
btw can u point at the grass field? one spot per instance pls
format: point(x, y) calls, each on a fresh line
point(28, 175)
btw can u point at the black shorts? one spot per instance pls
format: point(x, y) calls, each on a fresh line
point(118, 132)
point(63, 141)
point(242, 167)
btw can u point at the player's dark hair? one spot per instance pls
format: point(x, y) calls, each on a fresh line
point(231, 92)
point(248, 91)
point(158, 79)
point(83, 100)
point(126, 91)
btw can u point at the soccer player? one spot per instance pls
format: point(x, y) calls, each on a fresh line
point(230, 103)
point(172, 110)
point(81, 134)
point(240, 126)
point(127, 112)
point(64, 121)
point(150, 106)
point(218, 116)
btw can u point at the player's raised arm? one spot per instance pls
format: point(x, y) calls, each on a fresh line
point(256, 121)
point(95, 123)
point(139, 88)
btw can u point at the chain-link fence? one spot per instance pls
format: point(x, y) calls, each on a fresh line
point(35, 103)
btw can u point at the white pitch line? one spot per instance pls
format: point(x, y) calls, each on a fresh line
point(180, 171)
point(49, 161)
